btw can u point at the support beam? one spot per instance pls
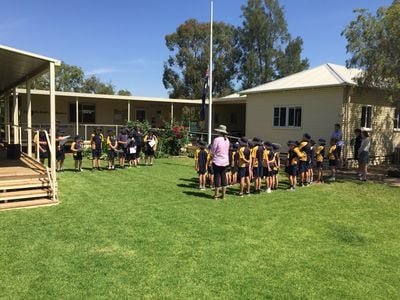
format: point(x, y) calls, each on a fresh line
point(53, 126)
point(29, 116)
point(7, 118)
point(77, 115)
point(15, 116)
point(172, 113)
point(129, 110)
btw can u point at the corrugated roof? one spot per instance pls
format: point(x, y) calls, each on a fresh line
point(320, 76)
point(17, 66)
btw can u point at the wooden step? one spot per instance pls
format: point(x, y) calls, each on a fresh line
point(23, 184)
point(27, 204)
point(14, 177)
point(25, 194)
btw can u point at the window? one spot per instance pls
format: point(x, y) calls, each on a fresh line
point(86, 113)
point(287, 116)
point(233, 118)
point(366, 117)
point(397, 119)
point(216, 118)
point(140, 115)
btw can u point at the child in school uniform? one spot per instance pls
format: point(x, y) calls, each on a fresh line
point(305, 147)
point(333, 157)
point(244, 167)
point(201, 164)
point(60, 153)
point(257, 163)
point(292, 164)
point(269, 164)
point(77, 149)
point(150, 141)
point(43, 147)
point(112, 147)
point(210, 170)
point(276, 167)
point(311, 162)
point(319, 157)
point(122, 147)
point(96, 142)
point(131, 149)
point(234, 162)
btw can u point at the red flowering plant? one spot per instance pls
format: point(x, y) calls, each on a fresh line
point(172, 139)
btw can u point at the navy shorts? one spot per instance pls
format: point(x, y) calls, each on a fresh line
point(303, 166)
point(210, 170)
point(111, 154)
point(333, 163)
point(319, 165)
point(60, 155)
point(78, 156)
point(293, 170)
point(243, 172)
point(267, 173)
point(234, 170)
point(258, 172)
point(96, 153)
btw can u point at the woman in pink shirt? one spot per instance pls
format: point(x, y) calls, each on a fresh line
point(220, 160)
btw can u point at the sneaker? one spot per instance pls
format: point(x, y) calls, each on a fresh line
point(247, 193)
point(269, 191)
point(240, 194)
point(331, 179)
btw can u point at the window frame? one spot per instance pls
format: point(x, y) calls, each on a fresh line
point(365, 124)
point(145, 114)
point(297, 117)
point(396, 119)
point(72, 115)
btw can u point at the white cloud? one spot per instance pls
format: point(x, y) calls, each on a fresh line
point(143, 62)
point(100, 71)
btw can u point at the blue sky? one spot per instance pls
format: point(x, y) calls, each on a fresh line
point(123, 41)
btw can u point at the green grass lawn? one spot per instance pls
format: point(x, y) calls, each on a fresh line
point(149, 233)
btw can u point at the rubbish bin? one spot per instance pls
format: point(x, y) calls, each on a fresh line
point(14, 151)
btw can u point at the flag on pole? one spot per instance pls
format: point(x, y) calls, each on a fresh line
point(203, 98)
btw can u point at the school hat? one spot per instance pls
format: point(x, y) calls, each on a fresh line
point(242, 143)
point(276, 146)
point(201, 143)
point(291, 142)
point(77, 137)
point(244, 139)
point(307, 136)
point(221, 129)
point(267, 144)
point(257, 141)
point(322, 141)
point(236, 145)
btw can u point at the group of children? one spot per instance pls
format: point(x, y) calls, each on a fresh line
point(258, 161)
point(127, 147)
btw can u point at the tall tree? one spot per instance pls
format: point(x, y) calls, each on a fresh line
point(68, 78)
point(124, 93)
point(94, 85)
point(374, 45)
point(267, 49)
point(185, 69)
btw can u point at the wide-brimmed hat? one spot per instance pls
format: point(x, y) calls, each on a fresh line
point(291, 142)
point(221, 129)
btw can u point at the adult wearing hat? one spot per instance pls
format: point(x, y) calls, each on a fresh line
point(220, 159)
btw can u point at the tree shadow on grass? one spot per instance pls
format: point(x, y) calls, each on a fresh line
point(191, 185)
point(198, 194)
point(194, 179)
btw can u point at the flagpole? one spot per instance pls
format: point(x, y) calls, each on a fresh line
point(210, 73)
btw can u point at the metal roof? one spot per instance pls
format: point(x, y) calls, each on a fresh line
point(111, 97)
point(320, 76)
point(18, 66)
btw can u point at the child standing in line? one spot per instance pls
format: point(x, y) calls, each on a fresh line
point(277, 166)
point(96, 141)
point(304, 147)
point(270, 164)
point(132, 149)
point(319, 157)
point(210, 170)
point(244, 167)
point(122, 146)
point(257, 159)
point(311, 162)
point(292, 164)
point(77, 148)
point(60, 154)
point(333, 157)
point(150, 141)
point(201, 161)
point(112, 147)
point(234, 163)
